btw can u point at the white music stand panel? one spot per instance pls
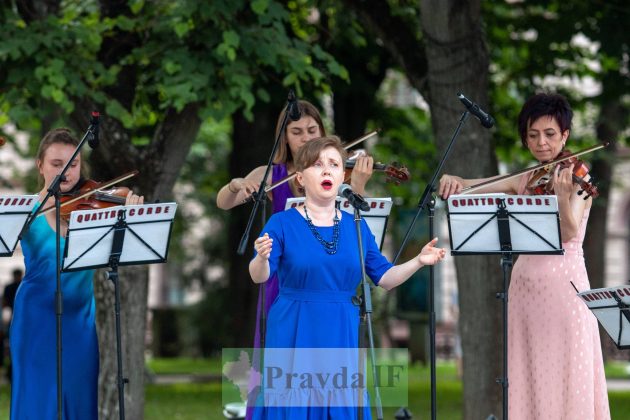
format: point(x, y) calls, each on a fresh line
point(610, 307)
point(91, 235)
point(533, 223)
point(376, 218)
point(14, 213)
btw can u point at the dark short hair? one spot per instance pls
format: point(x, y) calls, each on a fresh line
point(309, 153)
point(544, 104)
point(283, 154)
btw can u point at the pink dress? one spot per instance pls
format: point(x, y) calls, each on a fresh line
point(555, 365)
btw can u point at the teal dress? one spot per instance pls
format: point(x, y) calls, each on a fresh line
point(33, 336)
point(314, 308)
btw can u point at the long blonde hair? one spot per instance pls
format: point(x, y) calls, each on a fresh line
point(60, 135)
point(283, 153)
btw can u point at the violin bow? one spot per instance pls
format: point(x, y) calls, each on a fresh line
point(345, 146)
point(100, 187)
point(474, 188)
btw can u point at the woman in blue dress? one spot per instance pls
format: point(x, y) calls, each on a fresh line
point(296, 133)
point(33, 328)
point(313, 251)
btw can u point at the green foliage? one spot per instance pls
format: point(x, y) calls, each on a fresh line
point(190, 51)
point(405, 138)
point(541, 45)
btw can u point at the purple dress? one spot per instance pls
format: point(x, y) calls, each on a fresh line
point(280, 195)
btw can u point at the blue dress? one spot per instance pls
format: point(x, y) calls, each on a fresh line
point(314, 308)
point(33, 336)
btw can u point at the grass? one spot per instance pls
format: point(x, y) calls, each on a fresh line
point(184, 365)
point(196, 401)
point(202, 400)
point(616, 369)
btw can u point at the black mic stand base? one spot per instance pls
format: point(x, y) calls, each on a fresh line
point(121, 381)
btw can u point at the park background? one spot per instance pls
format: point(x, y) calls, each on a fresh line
point(189, 93)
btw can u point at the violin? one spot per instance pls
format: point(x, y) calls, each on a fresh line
point(541, 181)
point(394, 172)
point(95, 200)
point(589, 189)
point(92, 195)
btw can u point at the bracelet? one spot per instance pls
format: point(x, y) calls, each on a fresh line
point(230, 188)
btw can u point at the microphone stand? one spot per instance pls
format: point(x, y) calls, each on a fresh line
point(259, 201)
point(365, 316)
point(261, 195)
point(427, 201)
point(54, 190)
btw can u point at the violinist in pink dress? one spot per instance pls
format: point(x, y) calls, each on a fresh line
point(555, 365)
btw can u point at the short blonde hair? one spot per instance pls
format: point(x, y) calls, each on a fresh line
point(309, 153)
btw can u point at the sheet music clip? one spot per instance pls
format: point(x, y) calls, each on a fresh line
point(611, 307)
point(14, 213)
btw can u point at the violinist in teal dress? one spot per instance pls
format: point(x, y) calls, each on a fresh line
point(314, 253)
point(33, 328)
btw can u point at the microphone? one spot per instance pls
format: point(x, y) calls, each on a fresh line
point(93, 140)
point(486, 120)
point(294, 109)
point(356, 200)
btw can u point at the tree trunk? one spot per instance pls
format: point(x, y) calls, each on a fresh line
point(458, 62)
point(133, 292)
point(608, 128)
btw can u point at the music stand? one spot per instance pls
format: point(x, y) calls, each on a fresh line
point(611, 307)
point(376, 218)
point(14, 213)
point(506, 225)
point(115, 236)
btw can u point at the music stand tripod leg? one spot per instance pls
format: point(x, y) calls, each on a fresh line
point(506, 264)
point(114, 260)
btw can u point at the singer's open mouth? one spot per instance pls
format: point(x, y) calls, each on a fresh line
point(327, 184)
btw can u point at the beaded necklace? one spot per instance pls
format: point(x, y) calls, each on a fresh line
point(329, 246)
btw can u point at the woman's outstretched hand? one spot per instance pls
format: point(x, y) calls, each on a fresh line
point(430, 254)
